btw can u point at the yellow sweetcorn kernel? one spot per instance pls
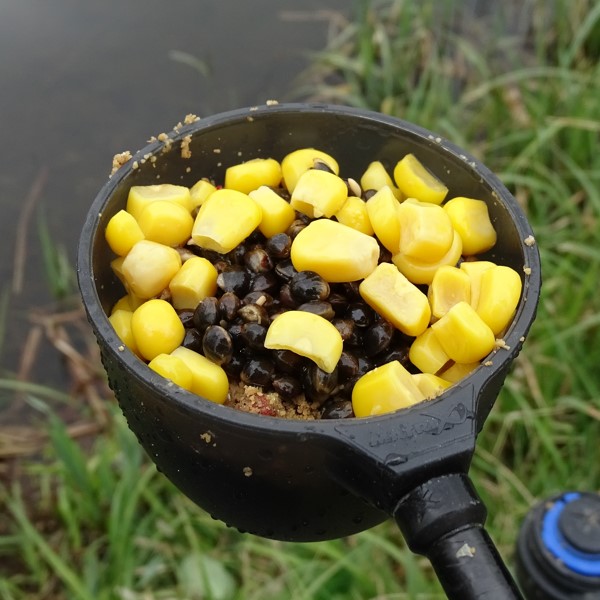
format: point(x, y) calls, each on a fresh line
point(166, 223)
point(120, 319)
point(127, 302)
point(208, 379)
point(354, 214)
point(135, 301)
point(463, 334)
point(173, 368)
point(142, 195)
point(430, 385)
point(474, 269)
point(427, 354)
point(449, 286)
point(297, 162)
point(156, 328)
point(195, 280)
point(457, 371)
point(253, 173)
point(375, 177)
point(122, 304)
point(308, 335)
point(277, 214)
point(200, 191)
point(117, 268)
point(396, 299)
point(149, 267)
point(382, 209)
point(122, 232)
point(415, 181)
point(499, 297)
point(336, 252)
point(319, 193)
point(426, 231)
point(420, 272)
point(225, 220)
point(471, 219)
point(385, 389)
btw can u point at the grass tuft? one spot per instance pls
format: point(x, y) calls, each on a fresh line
point(59, 271)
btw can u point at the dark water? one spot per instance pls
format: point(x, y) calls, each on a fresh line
point(81, 81)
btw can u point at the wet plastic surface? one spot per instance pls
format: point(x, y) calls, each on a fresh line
point(303, 480)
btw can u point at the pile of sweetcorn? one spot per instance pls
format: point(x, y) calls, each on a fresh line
point(433, 289)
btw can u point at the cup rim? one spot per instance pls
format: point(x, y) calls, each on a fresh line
point(187, 401)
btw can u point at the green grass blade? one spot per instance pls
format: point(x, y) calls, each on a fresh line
point(59, 567)
point(587, 27)
point(60, 274)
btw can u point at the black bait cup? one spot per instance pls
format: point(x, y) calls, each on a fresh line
point(317, 480)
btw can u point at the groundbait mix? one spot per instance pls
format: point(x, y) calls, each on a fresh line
point(293, 291)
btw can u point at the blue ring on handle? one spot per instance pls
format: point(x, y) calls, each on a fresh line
point(575, 560)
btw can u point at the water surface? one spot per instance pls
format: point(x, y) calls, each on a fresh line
point(82, 81)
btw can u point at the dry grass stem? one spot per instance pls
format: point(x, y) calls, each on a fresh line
point(30, 352)
point(17, 441)
point(533, 383)
point(505, 473)
point(84, 372)
point(20, 257)
point(85, 376)
point(26, 364)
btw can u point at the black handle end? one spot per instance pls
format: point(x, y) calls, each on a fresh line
point(443, 520)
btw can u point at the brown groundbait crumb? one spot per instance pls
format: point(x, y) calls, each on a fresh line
point(166, 140)
point(500, 343)
point(189, 119)
point(253, 399)
point(185, 147)
point(119, 160)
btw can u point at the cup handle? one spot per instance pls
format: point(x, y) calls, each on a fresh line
point(443, 520)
